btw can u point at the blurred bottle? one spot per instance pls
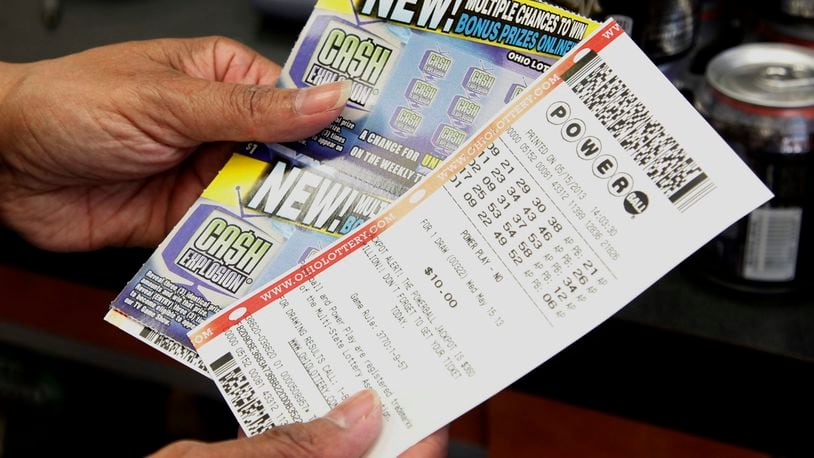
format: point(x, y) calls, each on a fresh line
point(797, 10)
point(791, 21)
point(665, 29)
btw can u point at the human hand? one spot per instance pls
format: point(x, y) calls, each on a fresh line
point(102, 147)
point(348, 431)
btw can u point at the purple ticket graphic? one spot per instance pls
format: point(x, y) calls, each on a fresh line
point(448, 138)
point(436, 64)
point(345, 52)
point(479, 81)
point(464, 110)
point(219, 251)
point(211, 259)
point(421, 92)
point(406, 121)
point(514, 91)
point(224, 254)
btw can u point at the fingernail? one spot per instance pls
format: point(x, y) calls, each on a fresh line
point(322, 98)
point(355, 409)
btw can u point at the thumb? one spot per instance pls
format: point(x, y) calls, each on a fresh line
point(216, 111)
point(347, 431)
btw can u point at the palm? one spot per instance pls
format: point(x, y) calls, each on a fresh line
point(113, 156)
point(134, 212)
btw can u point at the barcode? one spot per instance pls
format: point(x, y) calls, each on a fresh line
point(173, 348)
point(772, 242)
point(647, 141)
point(240, 395)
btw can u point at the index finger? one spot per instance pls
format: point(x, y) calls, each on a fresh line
point(224, 60)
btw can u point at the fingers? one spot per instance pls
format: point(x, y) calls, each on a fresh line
point(348, 431)
point(224, 60)
point(224, 92)
point(212, 111)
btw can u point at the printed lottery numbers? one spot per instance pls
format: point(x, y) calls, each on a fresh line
point(476, 166)
point(529, 229)
point(488, 185)
point(520, 223)
point(496, 208)
point(574, 288)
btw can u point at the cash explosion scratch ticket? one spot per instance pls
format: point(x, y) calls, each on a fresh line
point(590, 185)
point(418, 93)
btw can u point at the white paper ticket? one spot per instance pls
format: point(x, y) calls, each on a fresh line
point(580, 194)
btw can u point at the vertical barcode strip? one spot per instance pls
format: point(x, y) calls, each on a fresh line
point(174, 348)
point(240, 395)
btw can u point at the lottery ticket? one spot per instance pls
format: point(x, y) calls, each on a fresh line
point(590, 185)
point(424, 78)
point(418, 93)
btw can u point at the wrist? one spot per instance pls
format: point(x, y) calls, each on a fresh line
point(10, 77)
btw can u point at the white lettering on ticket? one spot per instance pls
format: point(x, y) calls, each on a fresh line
point(580, 194)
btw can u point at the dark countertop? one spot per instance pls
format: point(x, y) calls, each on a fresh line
point(686, 302)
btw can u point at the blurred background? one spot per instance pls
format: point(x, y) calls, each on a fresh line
point(717, 359)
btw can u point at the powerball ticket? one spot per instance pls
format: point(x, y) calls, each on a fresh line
point(582, 192)
point(417, 94)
